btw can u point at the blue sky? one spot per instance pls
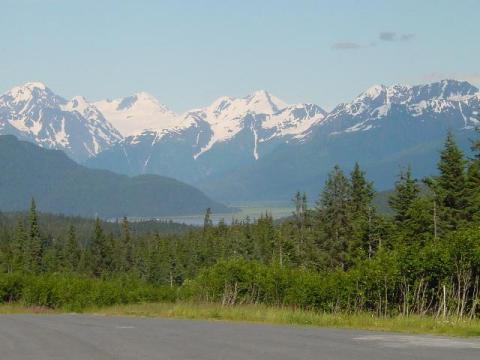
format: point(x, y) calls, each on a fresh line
point(187, 53)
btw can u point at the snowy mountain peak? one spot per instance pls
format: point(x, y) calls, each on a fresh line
point(220, 104)
point(373, 91)
point(145, 96)
point(262, 102)
point(29, 87)
point(227, 107)
point(133, 114)
point(31, 91)
point(295, 120)
point(34, 113)
point(381, 95)
point(264, 116)
point(136, 100)
point(376, 103)
point(89, 111)
point(444, 89)
point(37, 84)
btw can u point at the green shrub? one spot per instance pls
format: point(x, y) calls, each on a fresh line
point(11, 286)
point(74, 292)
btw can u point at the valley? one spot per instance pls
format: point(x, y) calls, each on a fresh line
point(241, 211)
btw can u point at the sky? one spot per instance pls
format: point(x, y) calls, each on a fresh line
point(188, 53)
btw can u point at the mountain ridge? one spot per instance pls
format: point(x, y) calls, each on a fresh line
point(250, 137)
point(33, 112)
point(59, 185)
point(382, 133)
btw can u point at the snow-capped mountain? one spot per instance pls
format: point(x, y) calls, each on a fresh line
point(253, 147)
point(384, 128)
point(34, 113)
point(266, 116)
point(229, 133)
point(449, 99)
point(137, 113)
point(226, 116)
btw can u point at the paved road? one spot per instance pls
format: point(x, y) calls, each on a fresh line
point(72, 337)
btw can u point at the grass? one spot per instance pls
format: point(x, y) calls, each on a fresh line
point(284, 316)
point(15, 308)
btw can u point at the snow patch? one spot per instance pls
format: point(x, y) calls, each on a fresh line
point(146, 112)
point(255, 139)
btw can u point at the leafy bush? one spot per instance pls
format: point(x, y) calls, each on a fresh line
point(73, 292)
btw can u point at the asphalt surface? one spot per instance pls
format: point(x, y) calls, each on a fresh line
point(72, 337)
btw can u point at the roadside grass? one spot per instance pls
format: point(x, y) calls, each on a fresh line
point(276, 315)
point(16, 308)
point(288, 316)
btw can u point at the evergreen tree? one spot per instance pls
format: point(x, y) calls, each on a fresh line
point(473, 184)
point(110, 247)
point(264, 238)
point(98, 252)
point(473, 191)
point(450, 186)
point(363, 215)
point(362, 191)
point(406, 192)
point(335, 217)
point(34, 248)
point(302, 221)
point(301, 209)
point(126, 246)
point(72, 250)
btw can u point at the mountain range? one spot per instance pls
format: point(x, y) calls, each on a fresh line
point(254, 147)
point(33, 112)
point(59, 185)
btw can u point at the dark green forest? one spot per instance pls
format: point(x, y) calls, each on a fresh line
point(340, 256)
point(60, 185)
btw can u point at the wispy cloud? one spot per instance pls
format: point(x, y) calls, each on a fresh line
point(386, 36)
point(392, 36)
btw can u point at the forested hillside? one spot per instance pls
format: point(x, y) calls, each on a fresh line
point(341, 255)
point(62, 186)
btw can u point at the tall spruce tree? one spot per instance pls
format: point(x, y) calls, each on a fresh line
point(451, 184)
point(126, 246)
point(473, 191)
point(363, 215)
point(97, 255)
point(473, 183)
point(362, 191)
point(34, 248)
point(300, 213)
point(416, 216)
point(72, 250)
point(406, 192)
point(335, 217)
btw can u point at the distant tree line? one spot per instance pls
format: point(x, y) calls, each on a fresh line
point(340, 255)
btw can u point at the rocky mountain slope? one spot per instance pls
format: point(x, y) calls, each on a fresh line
point(33, 112)
point(384, 129)
point(228, 134)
